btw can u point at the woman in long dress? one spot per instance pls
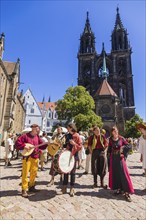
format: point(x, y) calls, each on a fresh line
point(119, 179)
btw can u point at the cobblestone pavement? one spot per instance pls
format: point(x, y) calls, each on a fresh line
point(88, 203)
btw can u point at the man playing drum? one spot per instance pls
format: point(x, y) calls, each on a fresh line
point(72, 144)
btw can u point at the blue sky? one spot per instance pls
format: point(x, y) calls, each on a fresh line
point(45, 36)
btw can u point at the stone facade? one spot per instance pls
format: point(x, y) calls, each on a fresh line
point(19, 116)
point(117, 64)
point(9, 86)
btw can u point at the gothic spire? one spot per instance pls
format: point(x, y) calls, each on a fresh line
point(119, 35)
point(118, 23)
point(43, 100)
point(49, 99)
point(87, 40)
point(104, 73)
point(87, 28)
point(2, 47)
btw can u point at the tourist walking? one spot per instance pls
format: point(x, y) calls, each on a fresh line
point(81, 153)
point(9, 148)
point(142, 145)
point(88, 154)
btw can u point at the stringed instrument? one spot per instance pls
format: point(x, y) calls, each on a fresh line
point(26, 152)
point(55, 145)
point(53, 148)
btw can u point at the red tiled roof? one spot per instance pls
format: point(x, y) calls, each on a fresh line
point(47, 105)
point(105, 89)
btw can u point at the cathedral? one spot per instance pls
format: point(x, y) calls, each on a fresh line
point(108, 76)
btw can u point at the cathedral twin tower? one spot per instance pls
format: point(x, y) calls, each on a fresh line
point(108, 76)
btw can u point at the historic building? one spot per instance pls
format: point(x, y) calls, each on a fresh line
point(19, 116)
point(42, 113)
point(110, 72)
point(33, 112)
point(49, 115)
point(11, 102)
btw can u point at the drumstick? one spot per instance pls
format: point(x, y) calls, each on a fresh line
point(70, 159)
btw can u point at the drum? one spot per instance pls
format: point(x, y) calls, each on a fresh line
point(53, 148)
point(63, 162)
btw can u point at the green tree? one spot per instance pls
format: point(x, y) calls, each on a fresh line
point(78, 105)
point(130, 127)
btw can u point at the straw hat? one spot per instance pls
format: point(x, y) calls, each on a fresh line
point(141, 125)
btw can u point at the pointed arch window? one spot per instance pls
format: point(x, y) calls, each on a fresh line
point(122, 93)
point(120, 43)
point(55, 116)
point(49, 114)
point(48, 123)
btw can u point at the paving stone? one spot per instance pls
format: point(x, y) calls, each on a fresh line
point(87, 203)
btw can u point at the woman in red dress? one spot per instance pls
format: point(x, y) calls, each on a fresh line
point(119, 179)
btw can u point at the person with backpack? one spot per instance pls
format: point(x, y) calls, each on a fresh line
point(97, 144)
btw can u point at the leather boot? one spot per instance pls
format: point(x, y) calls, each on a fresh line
point(72, 192)
point(64, 189)
point(33, 189)
point(24, 194)
point(102, 183)
point(95, 181)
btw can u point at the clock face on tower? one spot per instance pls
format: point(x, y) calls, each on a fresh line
point(105, 109)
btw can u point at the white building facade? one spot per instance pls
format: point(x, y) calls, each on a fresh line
point(42, 113)
point(33, 112)
point(49, 116)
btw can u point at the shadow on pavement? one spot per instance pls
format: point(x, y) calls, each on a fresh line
point(13, 166)
point(135, 167)
point(42, 195)
point(41, 182)
point(83, 186)
point(9, 193)
point(135, 174)
point(10, 177)
point(140, 192)
point(102, 193)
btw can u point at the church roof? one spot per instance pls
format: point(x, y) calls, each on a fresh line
point(47, 105)
point(105, 89)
